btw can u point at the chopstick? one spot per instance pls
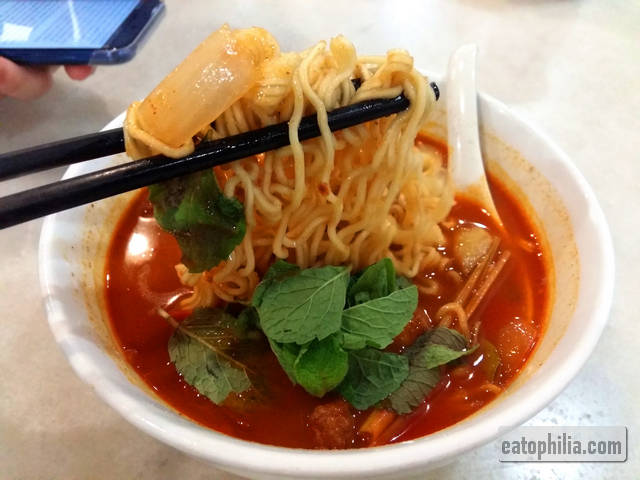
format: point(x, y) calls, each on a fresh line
point(55, 197)
point(77, 149)
point(63, 152)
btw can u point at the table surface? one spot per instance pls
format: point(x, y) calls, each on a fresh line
point(572, 67)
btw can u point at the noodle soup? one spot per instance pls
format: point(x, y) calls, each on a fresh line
point(331, 294)
point(544, 182)
point(506, 325)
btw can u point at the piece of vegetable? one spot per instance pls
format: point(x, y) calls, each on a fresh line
point(286, 353)
point(514, 341)
point(302, 307)
point(376, 423)
point(376, 322)
point(206, 224)
point(372, 376)
point(216, 74)
point(490, 359)
point(419, 382)
point(301, 313)
point(197, 349)
point(321, 366)
point(432, 349)
point(278, 271)
point(471, 244)
point(375, 281)
point(439, 346)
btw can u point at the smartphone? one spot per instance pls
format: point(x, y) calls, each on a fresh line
point(80, 32)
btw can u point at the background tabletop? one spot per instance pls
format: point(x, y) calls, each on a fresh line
point(570, 66)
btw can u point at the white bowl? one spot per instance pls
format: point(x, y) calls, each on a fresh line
point(72, 252)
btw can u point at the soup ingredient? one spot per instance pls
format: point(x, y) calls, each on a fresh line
point(376, 322)
point(206, 224)
point(434, 348)
point(198, 348)
point(490, 359)
point(372, 376)
point(302, 312)
point(319, 343)
point(333, 425)
point(514, 342)
point(376, 423)
point(472, 243)
point(216, 74)
point(348, 198)
point(321, 365)
point(375, 281)
point(379, 307)
point(299, 306)
point(139, 282)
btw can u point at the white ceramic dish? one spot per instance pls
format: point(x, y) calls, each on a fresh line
point(73, 244)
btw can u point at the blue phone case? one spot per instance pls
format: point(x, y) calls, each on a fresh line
point(121, 46)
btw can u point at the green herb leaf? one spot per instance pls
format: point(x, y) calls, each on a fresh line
point(372, 376)
point(375, 323)
point(197, 350)
point(375, 281)
point(286, 353)
point(432, 349)
point(303, 306)
point(206, 224)
point(435, 355)
point(217, 328)
point(439, 336)
point(278, 271)
point(415, 388)
point(321, 366)
point(249, 319)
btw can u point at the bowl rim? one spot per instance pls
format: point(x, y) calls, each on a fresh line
point(243, 456)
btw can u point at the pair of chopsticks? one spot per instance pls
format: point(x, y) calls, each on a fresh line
point(55, 197)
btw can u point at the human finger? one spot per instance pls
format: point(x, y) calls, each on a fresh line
point(79, 72)
point(23, 82)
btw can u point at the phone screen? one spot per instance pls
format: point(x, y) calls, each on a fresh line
point(61, 23)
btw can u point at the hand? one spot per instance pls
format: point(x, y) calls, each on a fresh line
point(29, 82)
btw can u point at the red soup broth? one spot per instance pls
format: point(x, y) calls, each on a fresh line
point(140, 278)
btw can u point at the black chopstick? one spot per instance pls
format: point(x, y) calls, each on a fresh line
point(63, 152)
point(77, 149)
point(55, 197)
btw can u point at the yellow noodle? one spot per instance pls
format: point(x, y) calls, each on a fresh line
point(349, 198)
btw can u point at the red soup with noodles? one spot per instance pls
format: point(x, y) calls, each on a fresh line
point(506, 324)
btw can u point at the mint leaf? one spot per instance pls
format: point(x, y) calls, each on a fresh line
point(321, 366)
point(440, 336)
point(318, 366)
point(375, 281)
point(206, 224)
point(248, 319)
point(375, 323)
point(372, 376)
point(197, 350)
point(415, 388)
point(303, 306)
point(436, 347)
point(278, 271)
point(435, 355)
point(439, 346)
point(217, 328)
point(286, 353)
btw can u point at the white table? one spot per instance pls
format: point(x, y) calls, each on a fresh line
point(572, 67)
